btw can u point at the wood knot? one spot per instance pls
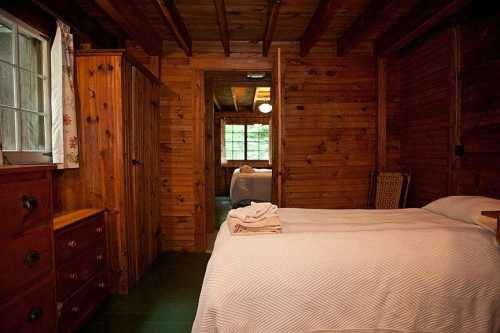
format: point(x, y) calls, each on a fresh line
point(322, 148)
point(110, 67)
point(331, 73)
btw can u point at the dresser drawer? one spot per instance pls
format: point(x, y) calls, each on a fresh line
point(72, 241)
point(78, 308)
point(33, 312)
point(25, 259)
point(24, 205)
point(76, 271)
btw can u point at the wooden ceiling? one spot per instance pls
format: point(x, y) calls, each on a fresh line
point(235, 92)
point(148, 22)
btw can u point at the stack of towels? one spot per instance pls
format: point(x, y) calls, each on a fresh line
point(258, 218)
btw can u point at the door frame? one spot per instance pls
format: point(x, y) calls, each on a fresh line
point(203, 174)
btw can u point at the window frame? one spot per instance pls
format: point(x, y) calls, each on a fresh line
point(245, 144)
point(19, 155)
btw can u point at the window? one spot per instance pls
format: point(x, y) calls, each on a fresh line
point(246, 142)
point(24, 88)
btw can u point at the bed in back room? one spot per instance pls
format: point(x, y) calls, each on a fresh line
point(250, 186)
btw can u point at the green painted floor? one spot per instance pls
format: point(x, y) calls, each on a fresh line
point(165, 300)
point(222, 207)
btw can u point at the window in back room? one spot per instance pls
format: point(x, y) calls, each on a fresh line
point(24, 89)
point(248, 142)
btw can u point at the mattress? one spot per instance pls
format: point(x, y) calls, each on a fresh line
point(247, 187)
point(401, 270)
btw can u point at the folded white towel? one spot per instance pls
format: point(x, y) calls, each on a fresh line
point(255, 212)
point(269, 225)
point(246, 169)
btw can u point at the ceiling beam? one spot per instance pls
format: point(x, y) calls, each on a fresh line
point(272, 20)
point(318, 24)
point(83, 26)
point(255, 96)
point(365, 23)
point(235, 98)
point(174, 21)
point(220, 8)
point(216, 102)
point(423, 17)
point(132, 21)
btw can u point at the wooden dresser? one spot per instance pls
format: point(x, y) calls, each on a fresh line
point(27, 279)
point(82, 283)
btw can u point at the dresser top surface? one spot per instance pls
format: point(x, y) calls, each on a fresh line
point(6, 169)
point(65, 219)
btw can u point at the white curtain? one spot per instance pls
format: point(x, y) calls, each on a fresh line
point(64, 126)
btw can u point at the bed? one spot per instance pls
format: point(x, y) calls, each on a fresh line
point(400, 270)
point(247, 187)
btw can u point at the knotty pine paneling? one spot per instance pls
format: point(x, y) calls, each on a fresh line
point(330, 129)
point(424, 132)
point(480, 166)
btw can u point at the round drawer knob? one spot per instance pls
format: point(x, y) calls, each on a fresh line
point(99, 230)
point(101, 285)
point(31, 258)
point(29, 203)
point(73, 276)
point(75, 309)
point(72, 244)
point(35, 314)
point(100, 257)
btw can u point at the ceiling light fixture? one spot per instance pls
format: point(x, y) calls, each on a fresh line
point(256, 76)
point(265, 108)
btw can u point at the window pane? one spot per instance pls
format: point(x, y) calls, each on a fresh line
point(238, 155)
point(264, 155)
point(8, 129)
point(33, 131)
point(238, 128)
point(31, 91)
point(30, 54)
point(258, 142)
point(252, 155)
point(252, 146)
point(6, 84)
point(238, 136)
point(6, 43)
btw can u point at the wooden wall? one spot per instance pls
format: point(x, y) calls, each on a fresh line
point(449, 97)
point(479, 171)
point(330, 128)
point(425, 100)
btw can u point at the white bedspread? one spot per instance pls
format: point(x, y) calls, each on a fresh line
point(246, 187)
point(405, 270)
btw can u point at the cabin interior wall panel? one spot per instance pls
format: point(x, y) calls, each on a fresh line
point(480, 165)
point(330, 124)
point(430, 93)
point(393, 124)
point(330, 128)
point(425, 99)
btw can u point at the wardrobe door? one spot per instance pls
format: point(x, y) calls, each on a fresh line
point(137, 143)
point(151, 169)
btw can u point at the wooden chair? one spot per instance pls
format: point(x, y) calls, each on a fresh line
point(388, 190)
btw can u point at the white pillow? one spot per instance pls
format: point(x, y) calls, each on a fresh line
point(467, 209)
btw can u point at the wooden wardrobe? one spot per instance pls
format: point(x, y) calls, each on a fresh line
point(118, 101)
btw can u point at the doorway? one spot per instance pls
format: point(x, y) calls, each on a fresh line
point(238, 146)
